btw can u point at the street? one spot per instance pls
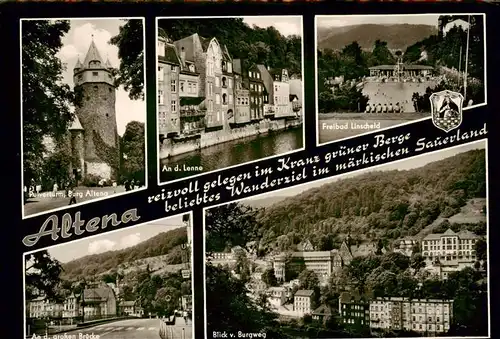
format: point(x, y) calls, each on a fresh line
point(44, 201)
point(124, 329)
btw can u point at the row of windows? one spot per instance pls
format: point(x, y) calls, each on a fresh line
point(255, 75)
point(281, 100)
point(449, 247)
point(442, 240)
point(173, 103)
point(256, 87)
point(211, 119)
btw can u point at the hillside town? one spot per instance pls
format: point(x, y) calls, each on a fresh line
point(441, 254)
point(202, 89)
point(133, 293)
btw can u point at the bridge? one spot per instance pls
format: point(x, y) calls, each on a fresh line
point(176, 328)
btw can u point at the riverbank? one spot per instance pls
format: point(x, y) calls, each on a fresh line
point(171, 147)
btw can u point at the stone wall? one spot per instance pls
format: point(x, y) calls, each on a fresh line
point(170, 148)
point(97, 113)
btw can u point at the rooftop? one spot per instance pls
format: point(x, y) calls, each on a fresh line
point(304, 293)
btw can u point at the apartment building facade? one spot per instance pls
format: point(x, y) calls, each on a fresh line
point(428, 316)
point(303, 301)
point(450, 246)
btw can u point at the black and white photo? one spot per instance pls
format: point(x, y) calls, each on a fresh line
point(398, 250)
point(230, 91)
point(83, 110)
point(134, 283)
point(379, 71)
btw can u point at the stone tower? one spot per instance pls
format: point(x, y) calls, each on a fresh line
point(96, 90)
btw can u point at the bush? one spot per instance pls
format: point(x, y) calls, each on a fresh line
point(91, 180)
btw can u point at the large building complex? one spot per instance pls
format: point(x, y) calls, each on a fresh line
point(450, 246)
point(429, 316)
point(323, 263)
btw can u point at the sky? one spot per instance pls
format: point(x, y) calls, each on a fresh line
point(286, 25)
point(383, 19)
point(76, 44)
point(113, 240)
point(405, 164)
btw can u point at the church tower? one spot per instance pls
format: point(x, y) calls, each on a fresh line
point(96, 90)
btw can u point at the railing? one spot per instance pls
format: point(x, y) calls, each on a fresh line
point(191, 112)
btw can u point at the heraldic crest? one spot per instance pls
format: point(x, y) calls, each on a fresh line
point(446, 109)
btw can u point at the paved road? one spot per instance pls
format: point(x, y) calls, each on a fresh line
point(123, 329)
point(45, 202)
point(181, 329)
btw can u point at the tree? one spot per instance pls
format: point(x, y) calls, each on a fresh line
point(42, 275)
point(229, 308)
point(242, 266)
point(46, 100)
point(269, 278)
point(132, 149)
point(230, 225)
point(308, 280)
point(417, 262)
point(166, 301)
point(130, 43)
point(481, 248)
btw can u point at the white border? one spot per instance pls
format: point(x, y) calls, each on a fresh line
point(398, 125)
point(368, 170)
point(24, 216)
point(245, 163)
point(191, 263)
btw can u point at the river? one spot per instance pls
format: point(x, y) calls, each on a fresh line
point(230, 153)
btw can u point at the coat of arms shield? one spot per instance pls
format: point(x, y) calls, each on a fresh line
point(446, 109)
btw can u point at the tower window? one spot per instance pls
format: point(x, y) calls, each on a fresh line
point(95, 74)
point(109, 90)
point(96, 88)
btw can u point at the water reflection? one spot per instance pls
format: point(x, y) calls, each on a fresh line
point(231, 153)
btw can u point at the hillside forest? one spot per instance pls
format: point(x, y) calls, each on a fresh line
point(444, 52)
point(386, 205)
point(139, 270)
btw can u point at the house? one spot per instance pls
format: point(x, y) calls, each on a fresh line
point(99, 302)
point(405, 246)
point(71, 306)
point(305, 246)
point(130, 308)
point(296, 90)
point(303, 301)
point(168, 87)
point(322, 313)
point(277, 295)
point(354, 309)
point(241, 115)
point(214, 64)
point(252, 80)
point(42, 307)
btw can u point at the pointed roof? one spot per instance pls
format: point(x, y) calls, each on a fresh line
point(449, 232)
point(92, 54)
point(78, 64)
point(75, 124)
point(108, 64)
